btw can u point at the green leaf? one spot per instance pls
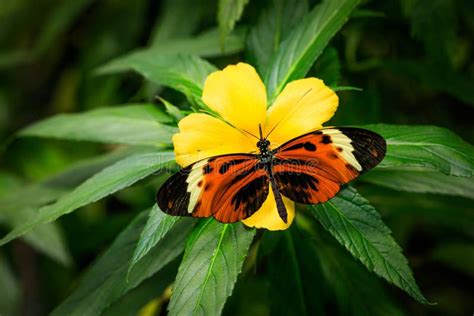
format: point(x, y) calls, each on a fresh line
point(344, 276)
point(15, 209)
point(421, 180)
point(426, 146)
point(156, 228)
point(184, 73)
point(345, 88)
point(170, 24)
point(212, 260)
point(108, 181)
point(172, 110)
point(359, 228)
point(297, 286)
point(150, 290)
point(205, 44)
point(307, 41)
point(106, 281)
point(276, 21)
point(131, 124)
point(228, 13)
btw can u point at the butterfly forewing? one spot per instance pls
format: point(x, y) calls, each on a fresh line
point(228, 187)
point(311, 168)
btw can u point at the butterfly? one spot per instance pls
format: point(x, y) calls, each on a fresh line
point(308, 169)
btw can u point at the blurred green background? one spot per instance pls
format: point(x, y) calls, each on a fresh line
point(413, 60)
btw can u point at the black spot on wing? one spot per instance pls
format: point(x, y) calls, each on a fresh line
point(294, 147)
point(306, 145)
point(369, 147)
point(251, 196)
point(173, 197)
point(207, 168)
point(326, 139)
point(309, 146)
point(296, 186)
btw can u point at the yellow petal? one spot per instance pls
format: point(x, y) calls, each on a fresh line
point(238, 95)
point(201, 136)
point(267, 216)
point(303, 106)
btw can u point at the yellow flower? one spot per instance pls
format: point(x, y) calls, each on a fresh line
point(239, 97)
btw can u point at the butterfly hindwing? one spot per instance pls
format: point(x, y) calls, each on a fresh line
point(311, 168)
point(229, 187)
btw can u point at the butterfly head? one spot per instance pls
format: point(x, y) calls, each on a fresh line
point(263, 145)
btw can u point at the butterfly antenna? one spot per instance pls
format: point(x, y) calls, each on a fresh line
point(260, 130)
point(289, 112)
point(242, 130)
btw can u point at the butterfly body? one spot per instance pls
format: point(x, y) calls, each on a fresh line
point(309, 169)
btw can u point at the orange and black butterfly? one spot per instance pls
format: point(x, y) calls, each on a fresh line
point(308, 169)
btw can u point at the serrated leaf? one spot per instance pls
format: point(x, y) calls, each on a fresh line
point(359, 228)
point(305, 43)
point(110, 180)
point(426, 146)
point(106, 281)
point(228, 13)
point(131, 124)
point(275, 22)
point(184, 73)
point(157, 226)
point(344, 276)
point(421, 180)
point(213, 258)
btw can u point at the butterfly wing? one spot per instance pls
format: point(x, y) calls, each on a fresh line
point(311, 168)
point(229, 187)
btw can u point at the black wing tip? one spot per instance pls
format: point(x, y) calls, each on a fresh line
point(369, 147)
point(172, 197)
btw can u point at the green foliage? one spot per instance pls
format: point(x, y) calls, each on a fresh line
point(359, 228)
point(107, 279)
point(157, 226)
point(426, 146)
point(110, 180)
point(273, 26)
point(212, 260)
point(305, 43)
point(228, 13)
point(406, 64)
point(138, 124)
point(421, 180)
point(185, 73)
